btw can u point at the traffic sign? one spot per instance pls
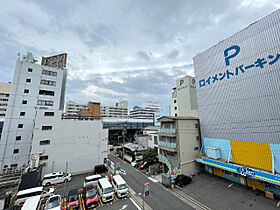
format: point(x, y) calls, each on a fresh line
point(147, 189)
point(118, 166)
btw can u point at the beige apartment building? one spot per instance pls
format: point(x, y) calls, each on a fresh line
point(179, 143)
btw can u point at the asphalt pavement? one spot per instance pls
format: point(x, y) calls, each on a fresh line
point(159, 198)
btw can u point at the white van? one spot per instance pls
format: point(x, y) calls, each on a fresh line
point(105, 190)
point(92, 180)
point(23, 195)
point(120, 186)
point(33, 203)
point(56, 178)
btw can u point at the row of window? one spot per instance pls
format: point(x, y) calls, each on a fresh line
point(4, 94)
point(51, 73)
point(48, 82)
point(41, 92)
point(4, 99)
point(3, 104)
point(2, 109)
point(45, 72)
point(44, 103)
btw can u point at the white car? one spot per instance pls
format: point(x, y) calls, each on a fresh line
point(23, 195)
point(53, 203)
point(56, 178)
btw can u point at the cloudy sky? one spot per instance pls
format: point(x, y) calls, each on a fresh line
point(121, 49)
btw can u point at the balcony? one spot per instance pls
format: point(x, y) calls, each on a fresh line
point(167, 144)
point(170, 131)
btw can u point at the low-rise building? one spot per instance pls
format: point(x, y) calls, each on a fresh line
point(70, 145)
point(72, 108)
point(179, 143)
point(152, 132)
point(4, 97)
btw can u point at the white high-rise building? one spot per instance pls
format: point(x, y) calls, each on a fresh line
point(4, 97)
point(34, 86)
point(118, 111)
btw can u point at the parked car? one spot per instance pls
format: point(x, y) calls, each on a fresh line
point(105, 190)
point(56, 178)
point(92, 180)
point(73, 199)
point(119, 186)
point(23, 195)
point(145, 165)
point(53, 203)
point(100, 169)
point(90, 196)
point(136, 164)
point(182, 180)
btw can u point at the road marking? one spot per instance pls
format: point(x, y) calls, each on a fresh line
point(153, 180)
point(135, 204)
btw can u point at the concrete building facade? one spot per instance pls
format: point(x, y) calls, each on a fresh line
point(152, 132)
point(238, 87)
point(68, 144)
point(4, 97)
point(72, 108)
point(33, 86)
point(184, 98)
point(179, 144)
point(118, 111)
point(149, 110)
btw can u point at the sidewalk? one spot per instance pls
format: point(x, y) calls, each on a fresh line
point(218, 193)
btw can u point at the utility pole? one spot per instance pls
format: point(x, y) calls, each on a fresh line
point(123, 134)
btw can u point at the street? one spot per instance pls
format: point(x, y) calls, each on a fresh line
point(159, 198)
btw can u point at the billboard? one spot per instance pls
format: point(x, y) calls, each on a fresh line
point(237, 83)
point(56, 61)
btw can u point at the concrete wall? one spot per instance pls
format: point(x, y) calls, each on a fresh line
point(81, 144)
point(189, 145)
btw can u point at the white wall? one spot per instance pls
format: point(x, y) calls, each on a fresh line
point(81, 143)
point(8, 139)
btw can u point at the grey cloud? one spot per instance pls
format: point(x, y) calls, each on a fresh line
point(173, 54)
point(143, 56)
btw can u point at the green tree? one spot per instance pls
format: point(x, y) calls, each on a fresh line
point(149, 154)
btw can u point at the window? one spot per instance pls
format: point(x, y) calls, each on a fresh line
point(28, 80)
point(46, 92)
point(24, 102)
point(174, 101)
point(26, 91)
point(16, 151)
point(175, 114)
point(44, 103)
point(18, 138)
point(47, 82)
point(5, 166)
point(45, 142)
point(155, 140)
point(49, 114)
point(29, 70)
point(20, 126)
point(196, 148)
point(197, 138)
point(14, 165)
point(46, 127)
point(51, 73)
point(175, 108)
point(44, 157)
point(22, 113)
point(196, 125)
